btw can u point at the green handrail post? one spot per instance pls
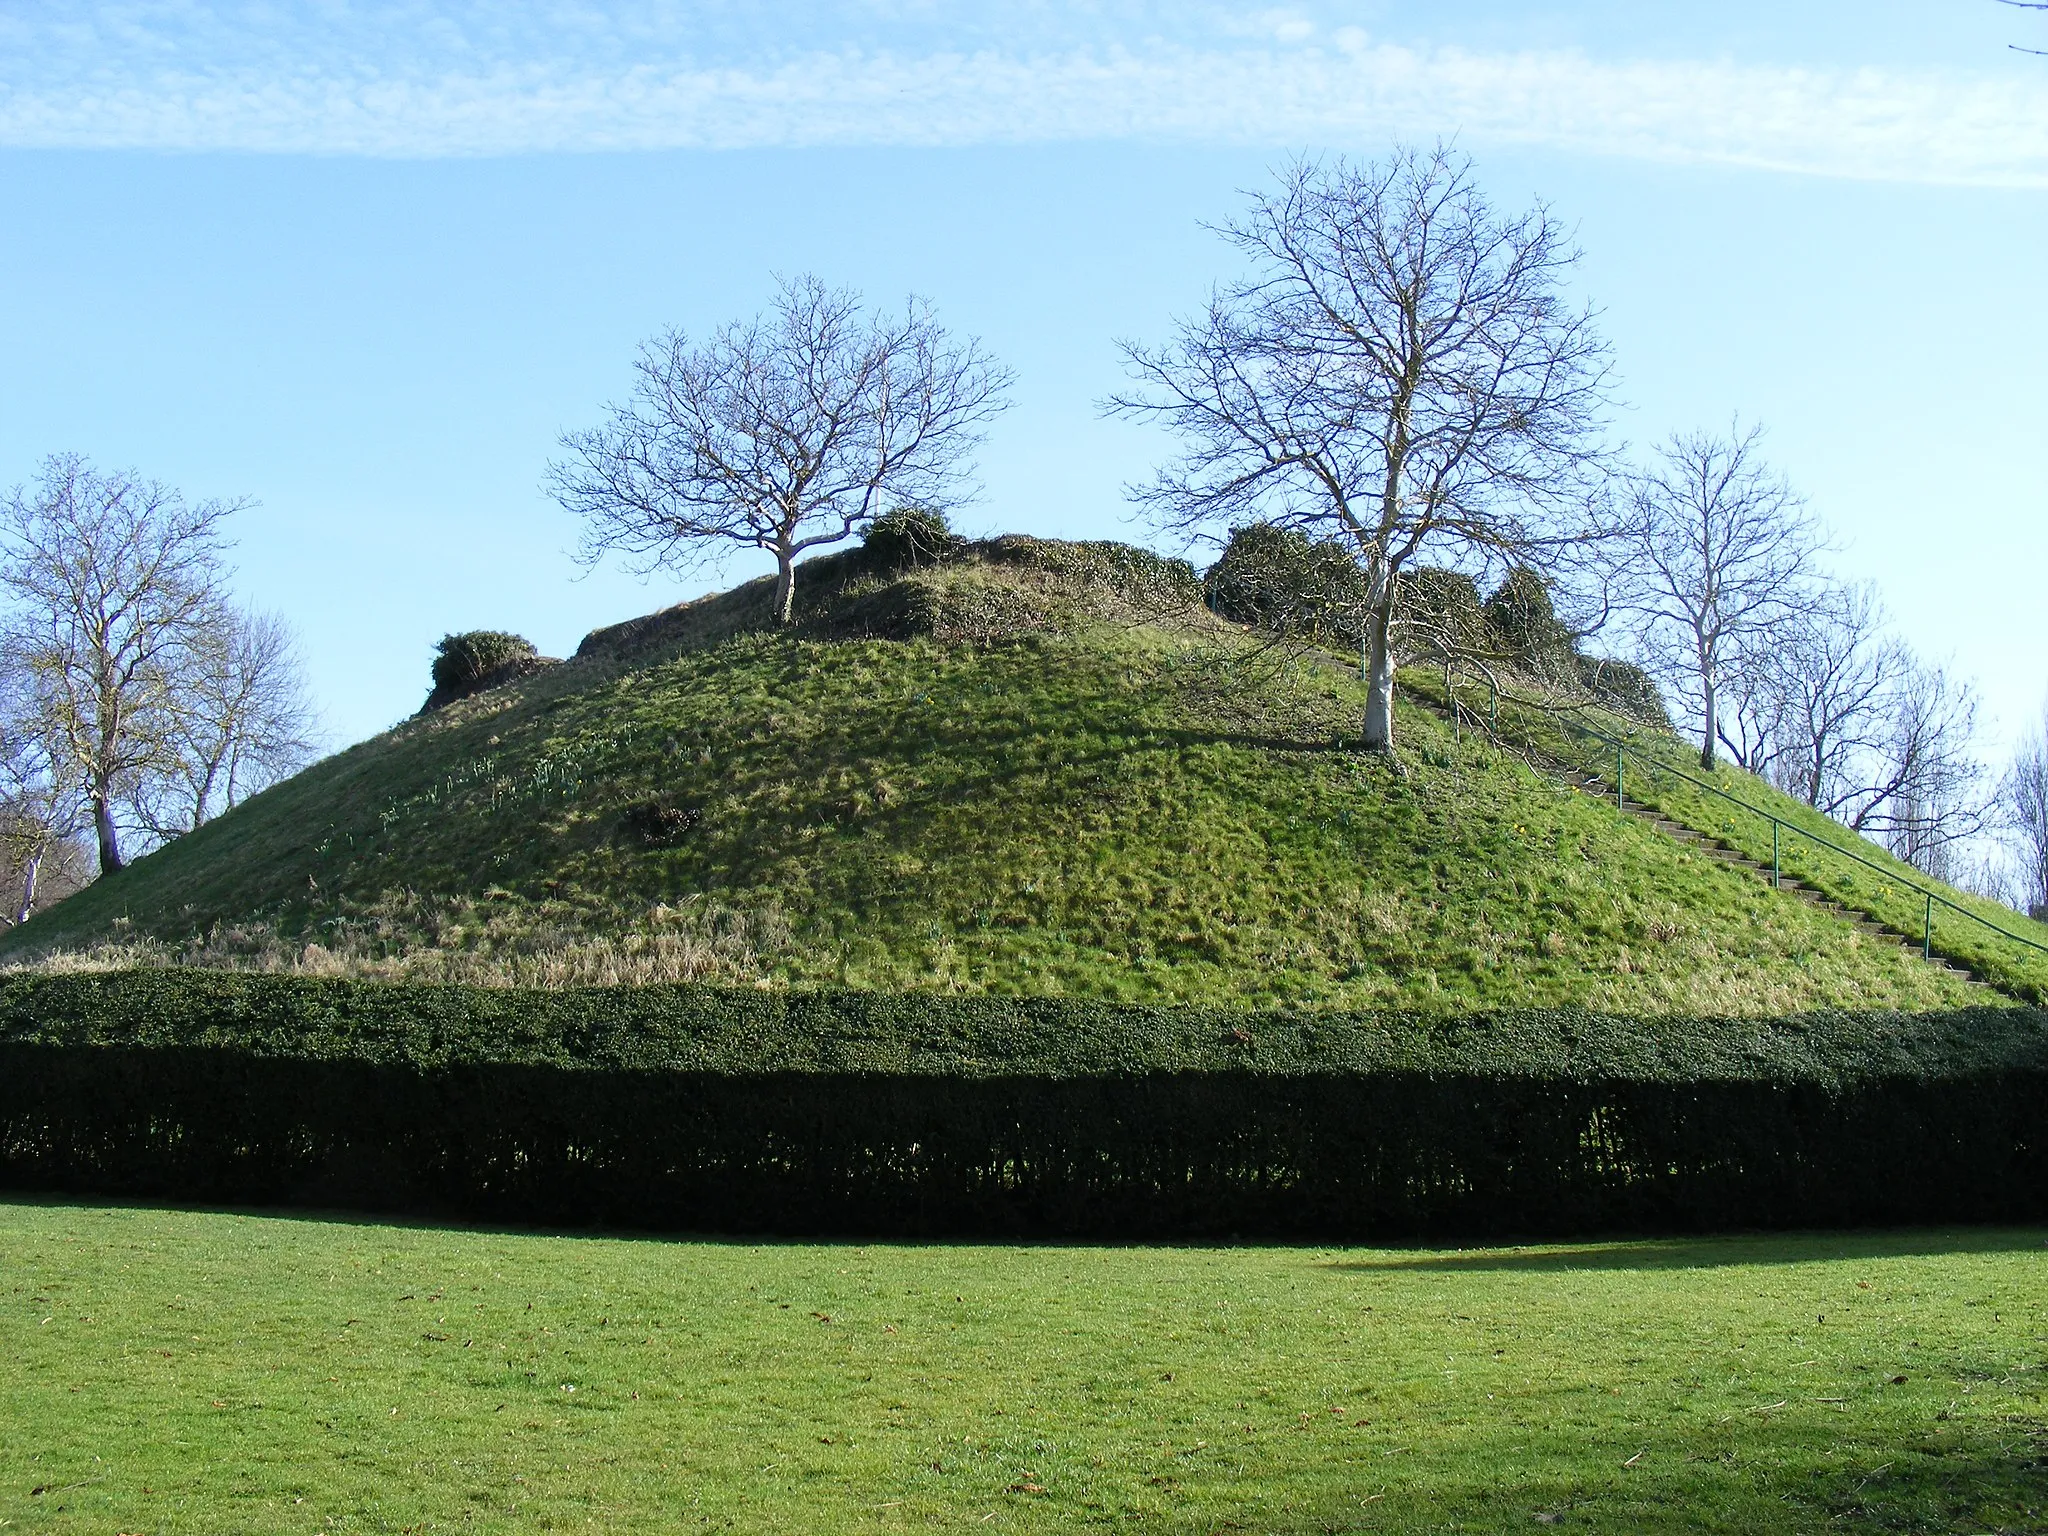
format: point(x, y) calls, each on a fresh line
point(1927, 936)
point(1620, 800)
point(1774, 852)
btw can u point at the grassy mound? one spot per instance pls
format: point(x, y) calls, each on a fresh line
point(1029, 768)
point(1999, 945)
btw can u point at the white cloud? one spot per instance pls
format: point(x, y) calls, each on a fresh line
point(403, 79)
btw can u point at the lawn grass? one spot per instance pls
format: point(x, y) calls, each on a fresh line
point(171, 1371)
point(1124, 813)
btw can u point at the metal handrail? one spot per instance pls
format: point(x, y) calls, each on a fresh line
point(1622, 750)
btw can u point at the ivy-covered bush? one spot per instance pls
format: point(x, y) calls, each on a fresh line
point(477, 659)
point(1281, 581)
point(1526, 629)
point(908, 539)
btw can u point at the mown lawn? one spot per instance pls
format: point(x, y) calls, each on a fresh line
point(187, 1371)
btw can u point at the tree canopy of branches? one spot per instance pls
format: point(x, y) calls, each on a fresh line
point(1400, 370)
point(111, 577)
point(1930, 797)
point(133, 684)
point(240, 720)
point(1721, 548)
point(1808, 702)
point(43, 808)
point(783, 433)
point(2025, 802)
point(1829, 705)
point(1832, 707)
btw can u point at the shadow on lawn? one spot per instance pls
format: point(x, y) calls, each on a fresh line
point(1662, 1253)
point(1987, 1479)
point(1715, 1252)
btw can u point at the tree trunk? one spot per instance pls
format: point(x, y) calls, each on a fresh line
point(785, 587)
point(1708, 701)
point(1379, 682)
point(202, 793)
point(109, 835)
point(30, 868)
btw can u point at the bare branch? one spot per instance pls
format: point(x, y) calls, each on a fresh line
point(109, 578)
point(2023, 798)
point(1399, 370)
point(1720, 551)
point(782, 433)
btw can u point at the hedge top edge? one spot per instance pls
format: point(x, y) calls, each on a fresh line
point(744, 1031)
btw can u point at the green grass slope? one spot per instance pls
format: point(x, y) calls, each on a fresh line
point(1037, 769)
point(2000, 945)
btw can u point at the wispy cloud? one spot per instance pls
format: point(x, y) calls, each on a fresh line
point(402, 79)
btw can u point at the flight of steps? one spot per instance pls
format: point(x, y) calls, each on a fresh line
point(1713, 848)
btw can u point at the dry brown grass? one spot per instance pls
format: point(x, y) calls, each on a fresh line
point(689, 942)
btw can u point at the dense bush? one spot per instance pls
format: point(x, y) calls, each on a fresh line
point(908, 539)
point(469, 663)
point(1281, 581)
point(798, 1112)
point(462, 661)
point(1624, 688)
point(1526, 629)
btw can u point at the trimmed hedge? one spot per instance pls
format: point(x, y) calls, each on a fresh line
point(701, 1108)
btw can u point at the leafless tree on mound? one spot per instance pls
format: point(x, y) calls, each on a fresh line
point(1401, 372)
point(1721, 554)
point(111, 580)
point(1809, 702)
point(1831, 707)
point(782, 433)
point(1928, 798)
point(2024, 797)
point(239, 721)
point(43, 810)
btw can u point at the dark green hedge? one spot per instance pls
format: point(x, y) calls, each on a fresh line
point(747, 1111)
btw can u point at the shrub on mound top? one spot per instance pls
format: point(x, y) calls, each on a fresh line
point(1283, 582)
point(475, 660)
point(908, 539)
point(463, 661)
point(1526, 627)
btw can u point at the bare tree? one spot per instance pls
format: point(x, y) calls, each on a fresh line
point(239, 719)
point(782, 433)
point(43, 810)
point(1833, 708)
point(1400, 371)
point(2024, 797)
point(1819, 696)
point(1927, 796)
point(112, 578)
point(1722, 549)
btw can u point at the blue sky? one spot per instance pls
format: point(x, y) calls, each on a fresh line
point(363, 262)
